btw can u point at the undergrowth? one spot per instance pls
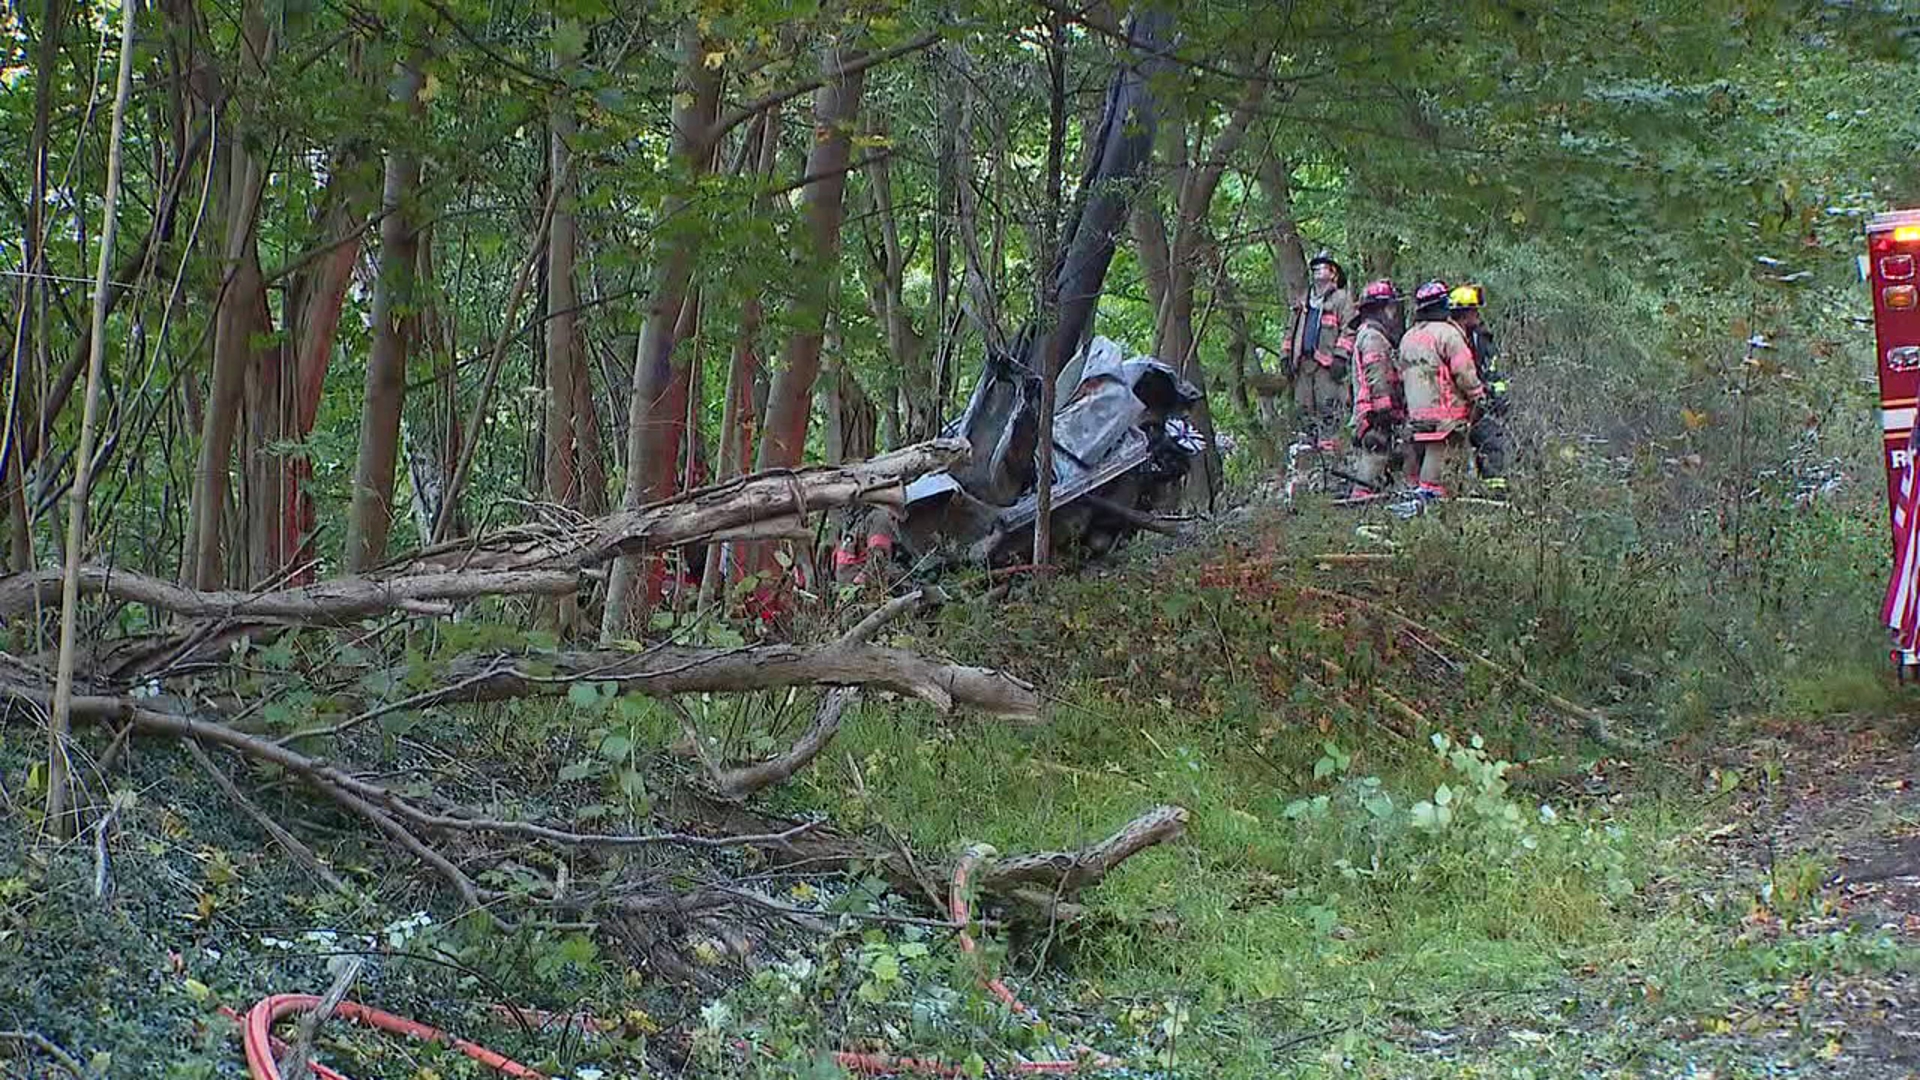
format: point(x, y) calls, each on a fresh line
point(1399, 862)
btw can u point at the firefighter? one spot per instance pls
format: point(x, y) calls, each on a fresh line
point(1488, 436)
point(1379, 400)
point(1442, 387)
point(1317, 351)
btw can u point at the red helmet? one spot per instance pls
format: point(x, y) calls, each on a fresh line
point(1430, 294)
point(1379, 292)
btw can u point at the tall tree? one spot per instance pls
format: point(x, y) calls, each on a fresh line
point(836, 106)
point(240, 317)
point(371, 515)
point(654, 418)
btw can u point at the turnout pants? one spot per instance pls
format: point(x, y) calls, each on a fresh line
point(1377, 450)
point(1492, 450)
point(1321, 398)
point(1442, 462)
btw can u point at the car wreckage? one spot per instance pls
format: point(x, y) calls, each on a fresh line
point(1123, 444)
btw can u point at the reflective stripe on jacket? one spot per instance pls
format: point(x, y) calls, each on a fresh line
point(1376, 379)
point(1437, 369)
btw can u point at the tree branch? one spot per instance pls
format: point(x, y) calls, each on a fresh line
point(854, 66)
point(668, 670)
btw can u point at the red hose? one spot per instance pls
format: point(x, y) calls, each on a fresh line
point(260, 1041)
point(261, 1046)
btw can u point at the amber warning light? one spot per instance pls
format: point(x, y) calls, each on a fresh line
point(1901, 234)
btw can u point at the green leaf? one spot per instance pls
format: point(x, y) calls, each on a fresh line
point(616, 746)
point(583, 696)
point(580, 770)
point(1443, 795)
point(886, 967)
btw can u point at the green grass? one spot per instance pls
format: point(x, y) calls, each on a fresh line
point(1315, 921)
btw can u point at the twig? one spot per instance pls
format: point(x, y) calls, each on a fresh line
point(294, 1065)
point(461, 883)
point(1352, 557)
point(1595, 723)
point(1075, 870)
point(102, 881)
point(48, 1047)
point(114, 748)
point(300, 852)
point(893, 609)
point(425, 696)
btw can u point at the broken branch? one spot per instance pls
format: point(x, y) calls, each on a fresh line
point(531, 561)
point(1070, 871)
point(667, 670)
point(1594, 722)
point(742, 782)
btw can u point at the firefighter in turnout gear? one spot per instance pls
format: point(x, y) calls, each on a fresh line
point(1443, 388)
point(1317, 352)
point(1379, 400)
point(1488, 436)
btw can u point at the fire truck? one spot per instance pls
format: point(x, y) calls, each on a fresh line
point(1893, 270)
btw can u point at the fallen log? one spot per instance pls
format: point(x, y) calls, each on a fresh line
point(1022, 879)
point(667, 670)
point(337, 600)
point(1067, 872)
point(703, 514)
point(545, 560)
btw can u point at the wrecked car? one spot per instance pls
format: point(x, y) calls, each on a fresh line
point(1123, 445)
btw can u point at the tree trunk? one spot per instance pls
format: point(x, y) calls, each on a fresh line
point(851, 418)
point(57, 817)
point(371, 515)
point(314, 306)
point(1289, 253)
point(651, 421)
point(30, 329)
point(561, 475)
point(1125, 141)
point(588, 445)
point(790, 401)
point(905, 344)
point(240, 314)
point(1239, 345)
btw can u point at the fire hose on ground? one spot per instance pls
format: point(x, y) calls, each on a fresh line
point(261, 1046)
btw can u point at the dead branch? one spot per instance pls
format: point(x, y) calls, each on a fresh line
point(668, 670)
point(702, 514)
point(294, 1063)
point(1138, 519)
point(864, 630)
point(742, 782)
point(549, 560)
point(1594, 722)
point(48, 1047)
point(1024, 879)
point(339, 600)
point(407, 841)
point(299, 851)
point(1070, 871)
point(341, 786)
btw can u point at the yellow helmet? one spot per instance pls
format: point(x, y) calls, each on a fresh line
point(1465, 296)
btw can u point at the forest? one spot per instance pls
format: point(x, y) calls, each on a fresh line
point(725, 538)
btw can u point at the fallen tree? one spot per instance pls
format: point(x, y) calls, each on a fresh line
point(182, 684)
point(543, 560)
point(668, 670)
